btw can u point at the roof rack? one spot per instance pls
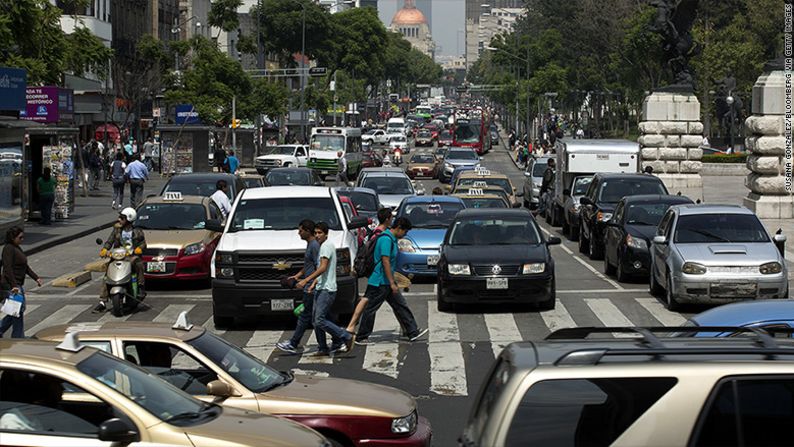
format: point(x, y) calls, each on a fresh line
point(651, 345)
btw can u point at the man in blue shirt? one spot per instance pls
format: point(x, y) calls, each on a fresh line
point(381, 286)
point(137, 174)
point(232, 162)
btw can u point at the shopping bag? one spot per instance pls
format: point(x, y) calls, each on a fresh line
point(13, 305)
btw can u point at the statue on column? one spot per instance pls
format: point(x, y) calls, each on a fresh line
point(673, 22)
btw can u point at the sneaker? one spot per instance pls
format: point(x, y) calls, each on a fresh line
point(349, 342)
point(320, 354)
point(100, 308)
point(287, 347)
point(364, 342)
point(418, 335)
point(340, 348)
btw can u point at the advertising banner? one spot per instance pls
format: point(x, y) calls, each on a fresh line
point(186, 114)
point(42, 105)
point(13, 82)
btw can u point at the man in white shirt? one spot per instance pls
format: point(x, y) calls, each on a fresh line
point(221, 198)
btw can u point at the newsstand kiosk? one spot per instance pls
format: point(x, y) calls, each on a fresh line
point(52, 147)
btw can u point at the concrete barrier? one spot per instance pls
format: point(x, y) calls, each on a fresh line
point(723, 169)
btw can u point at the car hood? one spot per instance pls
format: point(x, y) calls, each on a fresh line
point(454, 162)
point(312, 395)
point(646, 232)
point(240, 427)
point(427, 238)
point(392, 200)
point(173, 238)
point(273, 157)
point(501, 254)
point(750, 253)
point(272, 239)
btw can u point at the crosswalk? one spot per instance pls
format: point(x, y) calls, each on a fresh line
point(455, 344)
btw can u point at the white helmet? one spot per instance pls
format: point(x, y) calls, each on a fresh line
point(130, 214)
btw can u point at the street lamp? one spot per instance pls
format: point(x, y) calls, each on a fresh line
point(730, 100)
point(526, 61)
point(175, 31)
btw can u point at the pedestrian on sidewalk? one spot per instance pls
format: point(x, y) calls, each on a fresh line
point(95, 166)
point(219, 158)
point(15, 268)
point(148, 152)
point(221, 197)
point(45, 186)
point(137, 174)
point(117, 176)
point(324, 281)
point(310, 257)
point(128, 150)
point(381, 286)
point(232, 163)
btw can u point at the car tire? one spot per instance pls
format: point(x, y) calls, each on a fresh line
point(653, 287)
point(620, 272)
point(117, 300)
point(443, 306)
point(287, 165)
point(595, 251)
point(551, 302)
point(222, 322)
point(584, 244)
point(670, 302)
point(609, 269)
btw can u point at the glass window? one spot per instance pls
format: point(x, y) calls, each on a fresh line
point(10, 184)
point(488, 181)
point(423, 158)
point(580, 185)
point(362, 200)
point(462, 155)
point(300, 152)
point(331, 143)
point(577, 412)
point(281, 150)
point(646, 213)
point(430, 215)
point(484, 409)
point(484, 203)
point(706, 228)
point(98, 344)
point(171, 364)
point(612, 190)
point(494, 232)
point(539, 168)
point(283, 213)
point(171, 216)
point(195, 188)
point(664, 224)
point(388, 185)
point(754, 411)
point(288, 177)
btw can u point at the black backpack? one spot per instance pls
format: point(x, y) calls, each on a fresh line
point(364, 264)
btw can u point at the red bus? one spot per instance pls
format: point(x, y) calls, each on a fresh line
point(471, 130)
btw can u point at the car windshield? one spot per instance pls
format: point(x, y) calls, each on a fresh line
point(445, 135)
point(581, 184)
point(467, 133)
point(461, 155)
point(711, 228)
point(242, 366)
point(539, 168)
point(474, 202)
point(281, 150)
point(363, 201)
point(156, 396)
point(612, 190)
point(389, 185)
point(252, 182)
point(203, 188)
point(424, 134)
point(328, 143)
point(486, 231)
point(646, 213)
point(398, 139)
point(479, 182)
point(171, 216)
point(431, 215)
point(423, 158)
point(278, 177)
point(283, 213)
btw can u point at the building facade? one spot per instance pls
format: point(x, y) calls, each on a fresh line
point(412, 24)
point(477, 39)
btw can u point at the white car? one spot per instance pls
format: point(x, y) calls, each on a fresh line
point(282, 156)
point(399, 141)
point(375, 136)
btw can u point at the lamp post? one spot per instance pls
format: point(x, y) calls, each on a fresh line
point(526, 61)
point(175, 31)
point(730, 100)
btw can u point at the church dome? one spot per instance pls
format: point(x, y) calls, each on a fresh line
point(409, 15)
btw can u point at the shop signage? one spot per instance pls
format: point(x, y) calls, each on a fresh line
point(48, 104)
point(13, 82)
point(186, 114)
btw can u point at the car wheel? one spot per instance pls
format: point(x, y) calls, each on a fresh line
point(595, 251)
point(444, 306)
point(551, 302)
point(287, 165)
point(566, 229)
point(620, 272)
point(609, 269)
point(654, 287)
point(222, 322)
point(670, 301)
point(117, 300)
point(584, 246)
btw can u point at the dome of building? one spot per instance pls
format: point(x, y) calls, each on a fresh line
point(409, 15)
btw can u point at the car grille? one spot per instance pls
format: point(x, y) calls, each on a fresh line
point(325, 165)
point(741, 269)
point(160, 252)
point(265, 274)
point(487, 270)
point(263, 163)
point(263, 266)
point(270, 259)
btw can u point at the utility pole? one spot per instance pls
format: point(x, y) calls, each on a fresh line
point(303, 75)
point(333, 89)
point(234, 123)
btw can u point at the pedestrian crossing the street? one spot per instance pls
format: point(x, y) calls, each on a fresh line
point(447, 353)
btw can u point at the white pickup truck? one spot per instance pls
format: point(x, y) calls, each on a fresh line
point(375, 136)
point(284, 155)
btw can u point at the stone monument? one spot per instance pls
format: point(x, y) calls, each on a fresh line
point(769, 196)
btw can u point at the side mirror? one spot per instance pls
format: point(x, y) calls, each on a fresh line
point(219, 388)
point(214, 225)
point(527, 174)
point(661, 240)
point(357, 222)
point(566, 193)
point(553, 240)
point(779, 238)
point(320, 183)
point(118, 431)
point(585, 201)
point(99, 241)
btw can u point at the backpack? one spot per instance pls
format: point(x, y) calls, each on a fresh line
point(365, 263)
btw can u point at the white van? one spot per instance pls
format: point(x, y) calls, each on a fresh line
point(395, 125)
point(260, 244)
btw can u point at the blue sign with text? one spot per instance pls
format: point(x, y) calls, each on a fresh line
point(186, 114)
point(13, 87)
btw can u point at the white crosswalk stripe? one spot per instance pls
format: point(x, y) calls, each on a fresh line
point(502, 329)
point(382, 358)
point(108, 317)
point(609, 314)
point(63, 315)
point(658, 311)
point(171, 312)
point(557, 318)
point(262, 343)
point(447, 366)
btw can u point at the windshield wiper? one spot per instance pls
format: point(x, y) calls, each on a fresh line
point(640, 222)
point(710, 234)
point(188, 415)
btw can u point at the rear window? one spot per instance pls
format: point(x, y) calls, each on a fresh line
point(583, 412)
point(539, 168)
point(612, 190)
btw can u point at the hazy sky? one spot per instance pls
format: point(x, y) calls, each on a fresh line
point(448, 23)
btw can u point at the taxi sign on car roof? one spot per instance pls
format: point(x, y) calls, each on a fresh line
point(71, 343)
point(182, 322)
point(480, 184)
point(172, 196)
point(475, 192)
point(482, 171)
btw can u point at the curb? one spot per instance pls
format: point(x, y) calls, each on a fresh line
point(66, 238)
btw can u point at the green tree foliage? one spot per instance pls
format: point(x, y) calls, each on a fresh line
point(223, 14)
point(281, 27)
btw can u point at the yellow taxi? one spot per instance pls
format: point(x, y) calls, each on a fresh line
point(177, 244)
point(477, 198)
point(481, 178)
point(197, 361)
point(74, 395)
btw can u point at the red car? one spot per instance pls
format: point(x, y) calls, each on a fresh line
point(350, 212)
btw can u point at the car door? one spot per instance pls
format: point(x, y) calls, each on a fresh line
point(588, 211)
point(300, 155)
point(614, 234)
point(659, 252)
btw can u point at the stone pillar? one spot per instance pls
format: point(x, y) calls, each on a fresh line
point(766, 142)
point(670, 137)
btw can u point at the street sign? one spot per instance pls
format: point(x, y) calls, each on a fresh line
point(156, 112)
point(317, 71)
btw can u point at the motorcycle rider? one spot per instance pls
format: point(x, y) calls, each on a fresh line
point(132, 238)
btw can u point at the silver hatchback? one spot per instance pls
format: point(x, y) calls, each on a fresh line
point(715, 254)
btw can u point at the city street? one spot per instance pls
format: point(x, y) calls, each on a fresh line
point(443, 371)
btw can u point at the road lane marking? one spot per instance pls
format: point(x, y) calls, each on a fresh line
point(382, 358)
point(658, 311)
point(609, 314)
point(588, 266)
point(108, 317)
point(447, 366)
point(502, 330)
point(63, 315)
point(557, 318)
point(262, 343)
point(210, 326)
point(171, 312)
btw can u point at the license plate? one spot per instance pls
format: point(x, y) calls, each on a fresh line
point(323, 172)
point(496, 283)
point(733, 290)
point(432, 260)
point(155, 267)
point(276, 305)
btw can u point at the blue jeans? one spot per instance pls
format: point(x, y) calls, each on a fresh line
point(46, 200)
point(323, 300)
point(304, 319)
point(17, 324)
point(376, 296)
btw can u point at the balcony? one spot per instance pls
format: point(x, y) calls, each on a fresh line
point(101, 29)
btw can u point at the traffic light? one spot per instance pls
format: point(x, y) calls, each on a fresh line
point(236, 123)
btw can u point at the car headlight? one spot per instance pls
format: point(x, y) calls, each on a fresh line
point(343, 262)
point(459, 269)
point(406, 246)
point(693, 268)
point(226, 272)
point(194, 249)
point(118, 254)
point(635, 242)
point(603, 217)
point(223, 258)
point(406, 424)
point(536, 267)
point(278, 163)
point(770, 268)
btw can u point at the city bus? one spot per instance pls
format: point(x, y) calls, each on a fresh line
point(471, 129)
point(327, 142)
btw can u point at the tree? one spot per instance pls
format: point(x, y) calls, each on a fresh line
point(281, 27)
point(223, 15)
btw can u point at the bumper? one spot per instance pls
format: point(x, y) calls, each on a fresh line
point(416, 264)
point(421, 174)
point(184, 268)
point(636, 261)
point(528, 289)
point(421, 437)
point(719, 289)
point(573, 219)
point(230, 299)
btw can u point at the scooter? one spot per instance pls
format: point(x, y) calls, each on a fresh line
point(398, 157)
point(121, 281)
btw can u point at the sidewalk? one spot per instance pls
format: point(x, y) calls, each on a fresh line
point(91, 214)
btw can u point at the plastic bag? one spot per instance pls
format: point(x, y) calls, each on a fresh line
point(13, 305)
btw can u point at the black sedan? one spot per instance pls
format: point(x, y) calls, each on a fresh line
point(292, 177)
point(495, 256)
point(629, 233)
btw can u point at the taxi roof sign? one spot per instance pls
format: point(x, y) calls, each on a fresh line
point(482, 171)
point(182, 322)
point(475, 192)
point(172, 196)
point(480, 184)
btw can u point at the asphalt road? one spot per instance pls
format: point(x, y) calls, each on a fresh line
point(443, 371)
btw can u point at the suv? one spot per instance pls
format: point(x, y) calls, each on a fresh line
point(603, 194)
point(645, 390)
point(260, 245)
point(282, 156)
point(533, 179)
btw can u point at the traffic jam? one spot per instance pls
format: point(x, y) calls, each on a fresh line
point(320, 235)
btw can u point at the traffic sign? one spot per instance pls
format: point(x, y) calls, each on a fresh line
point(317, 71)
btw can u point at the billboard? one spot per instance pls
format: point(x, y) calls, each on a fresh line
point(186, 114)
point(13, 84)
point(48, 104)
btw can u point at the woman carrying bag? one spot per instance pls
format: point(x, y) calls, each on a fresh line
point(15, 268)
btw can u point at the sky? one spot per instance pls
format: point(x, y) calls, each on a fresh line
point(447, 23)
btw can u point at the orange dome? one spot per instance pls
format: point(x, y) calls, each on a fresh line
point(409, 15)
